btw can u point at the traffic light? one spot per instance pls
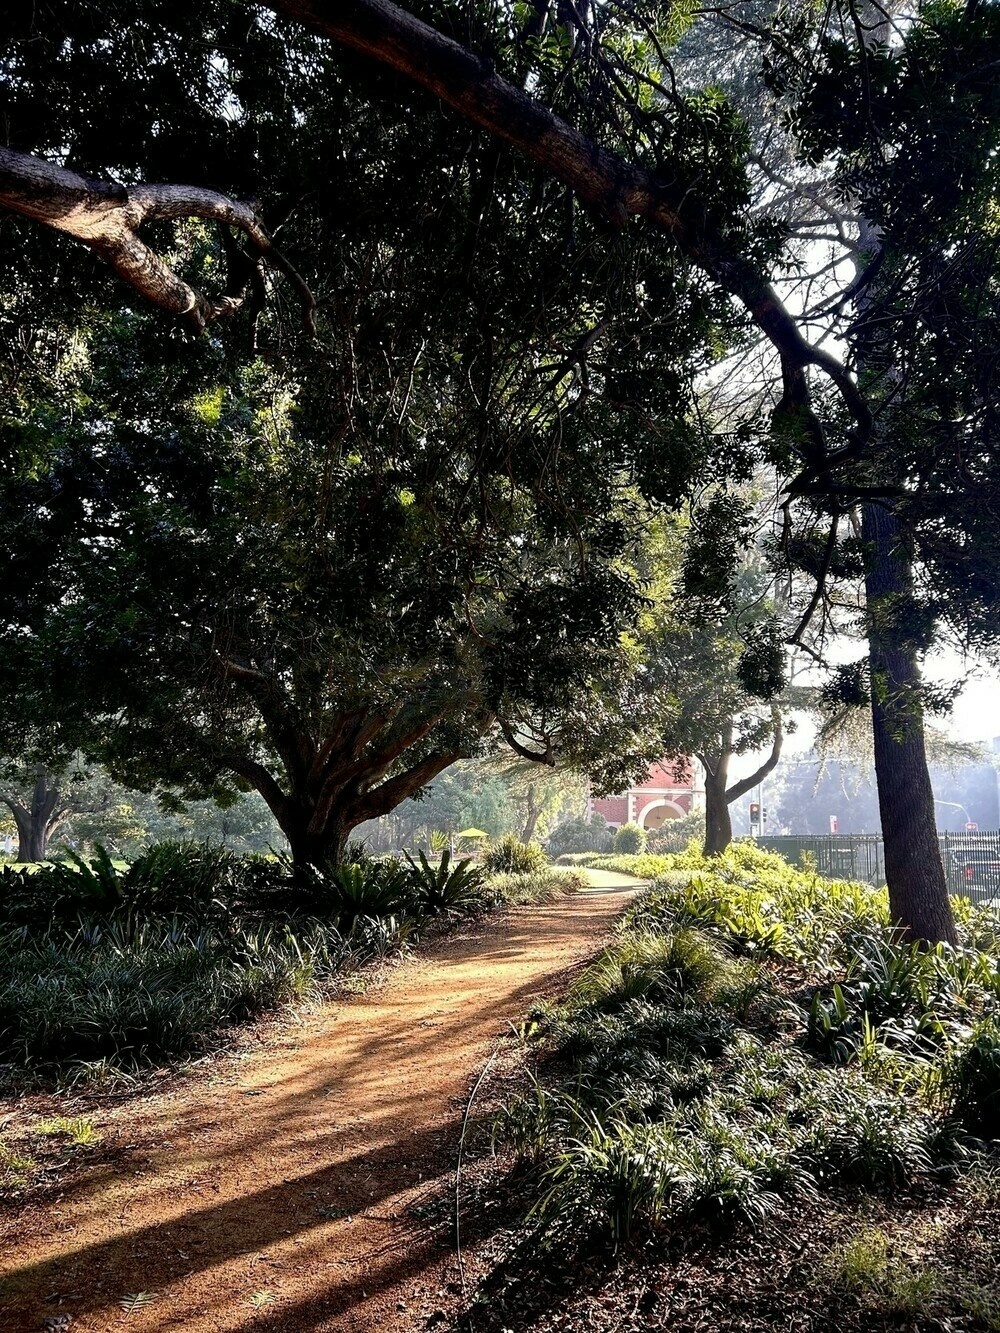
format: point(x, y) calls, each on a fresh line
point(754, 812)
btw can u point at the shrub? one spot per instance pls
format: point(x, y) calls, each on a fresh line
point(676, 835)
point(510, 856)
point(366, 890)
point(106, 969)
point(653, 1138)
point(445, 888)
point(580, 835)
point(191, 877)
point(629, 840)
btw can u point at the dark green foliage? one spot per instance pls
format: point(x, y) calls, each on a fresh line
point(123, 995)
point(909, 119)
point(107, 970)
point(95, 883)
point(354, 891)
point(192, 879)
point(907, 997)
point(971, 1080)
point(510, 856)
point(629, 840)
point(195, 877)
point(444, 888)
point(353, 549)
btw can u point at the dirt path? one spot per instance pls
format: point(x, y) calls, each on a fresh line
point(282, 1192)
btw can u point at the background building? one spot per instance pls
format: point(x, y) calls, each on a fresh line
point(669, 791)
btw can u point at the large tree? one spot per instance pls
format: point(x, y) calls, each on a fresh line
point(605, 119)
point(43, 801)
point(327, 567)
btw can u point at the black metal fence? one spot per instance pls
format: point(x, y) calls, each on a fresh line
point(971, 860)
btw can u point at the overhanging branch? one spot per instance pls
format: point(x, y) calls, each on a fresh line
point(108, 218)
point(601, 178)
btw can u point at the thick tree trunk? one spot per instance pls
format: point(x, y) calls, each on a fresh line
point(329, 791)
point(32, 843)
point(321, 851)
point(37, 818)
point(918, 892)
point(718, 821)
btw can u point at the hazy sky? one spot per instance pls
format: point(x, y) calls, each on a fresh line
point(975, 716)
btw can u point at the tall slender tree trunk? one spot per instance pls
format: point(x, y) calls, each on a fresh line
point(918, 891)
point(533, 809)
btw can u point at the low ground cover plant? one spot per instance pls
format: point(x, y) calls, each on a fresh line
point(755, 1037)
point(643, 865)
point(107, 970)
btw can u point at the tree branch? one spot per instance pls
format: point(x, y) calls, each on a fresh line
point(601, 178)
point(108, 217)
point(533, 756)
point(263, 782)
point(739, 789)
point(385, 798)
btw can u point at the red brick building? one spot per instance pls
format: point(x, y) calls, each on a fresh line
point(667, 793)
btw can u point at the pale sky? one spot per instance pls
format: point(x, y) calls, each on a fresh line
point(975, 716)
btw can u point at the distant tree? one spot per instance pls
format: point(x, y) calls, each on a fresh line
point(43, 801)
point(714, 665)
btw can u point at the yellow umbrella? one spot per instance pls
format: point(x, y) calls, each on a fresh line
point(472, 833)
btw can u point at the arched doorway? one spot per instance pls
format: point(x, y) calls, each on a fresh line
point(659, 812)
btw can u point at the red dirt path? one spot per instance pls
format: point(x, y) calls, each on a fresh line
point(277, 1192)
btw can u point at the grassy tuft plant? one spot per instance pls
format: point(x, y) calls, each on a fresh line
point(752, 1036)
point(79, 1130)
point(645, 965)
point(971, 1080)
point(538, 886)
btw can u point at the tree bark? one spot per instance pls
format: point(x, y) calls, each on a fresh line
point(108, 218)
point(918, 891)
point(532, 810)
point(36, 819)
point(312, 849)
point(719, 796)
point(321, 803)
point(718, 820)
